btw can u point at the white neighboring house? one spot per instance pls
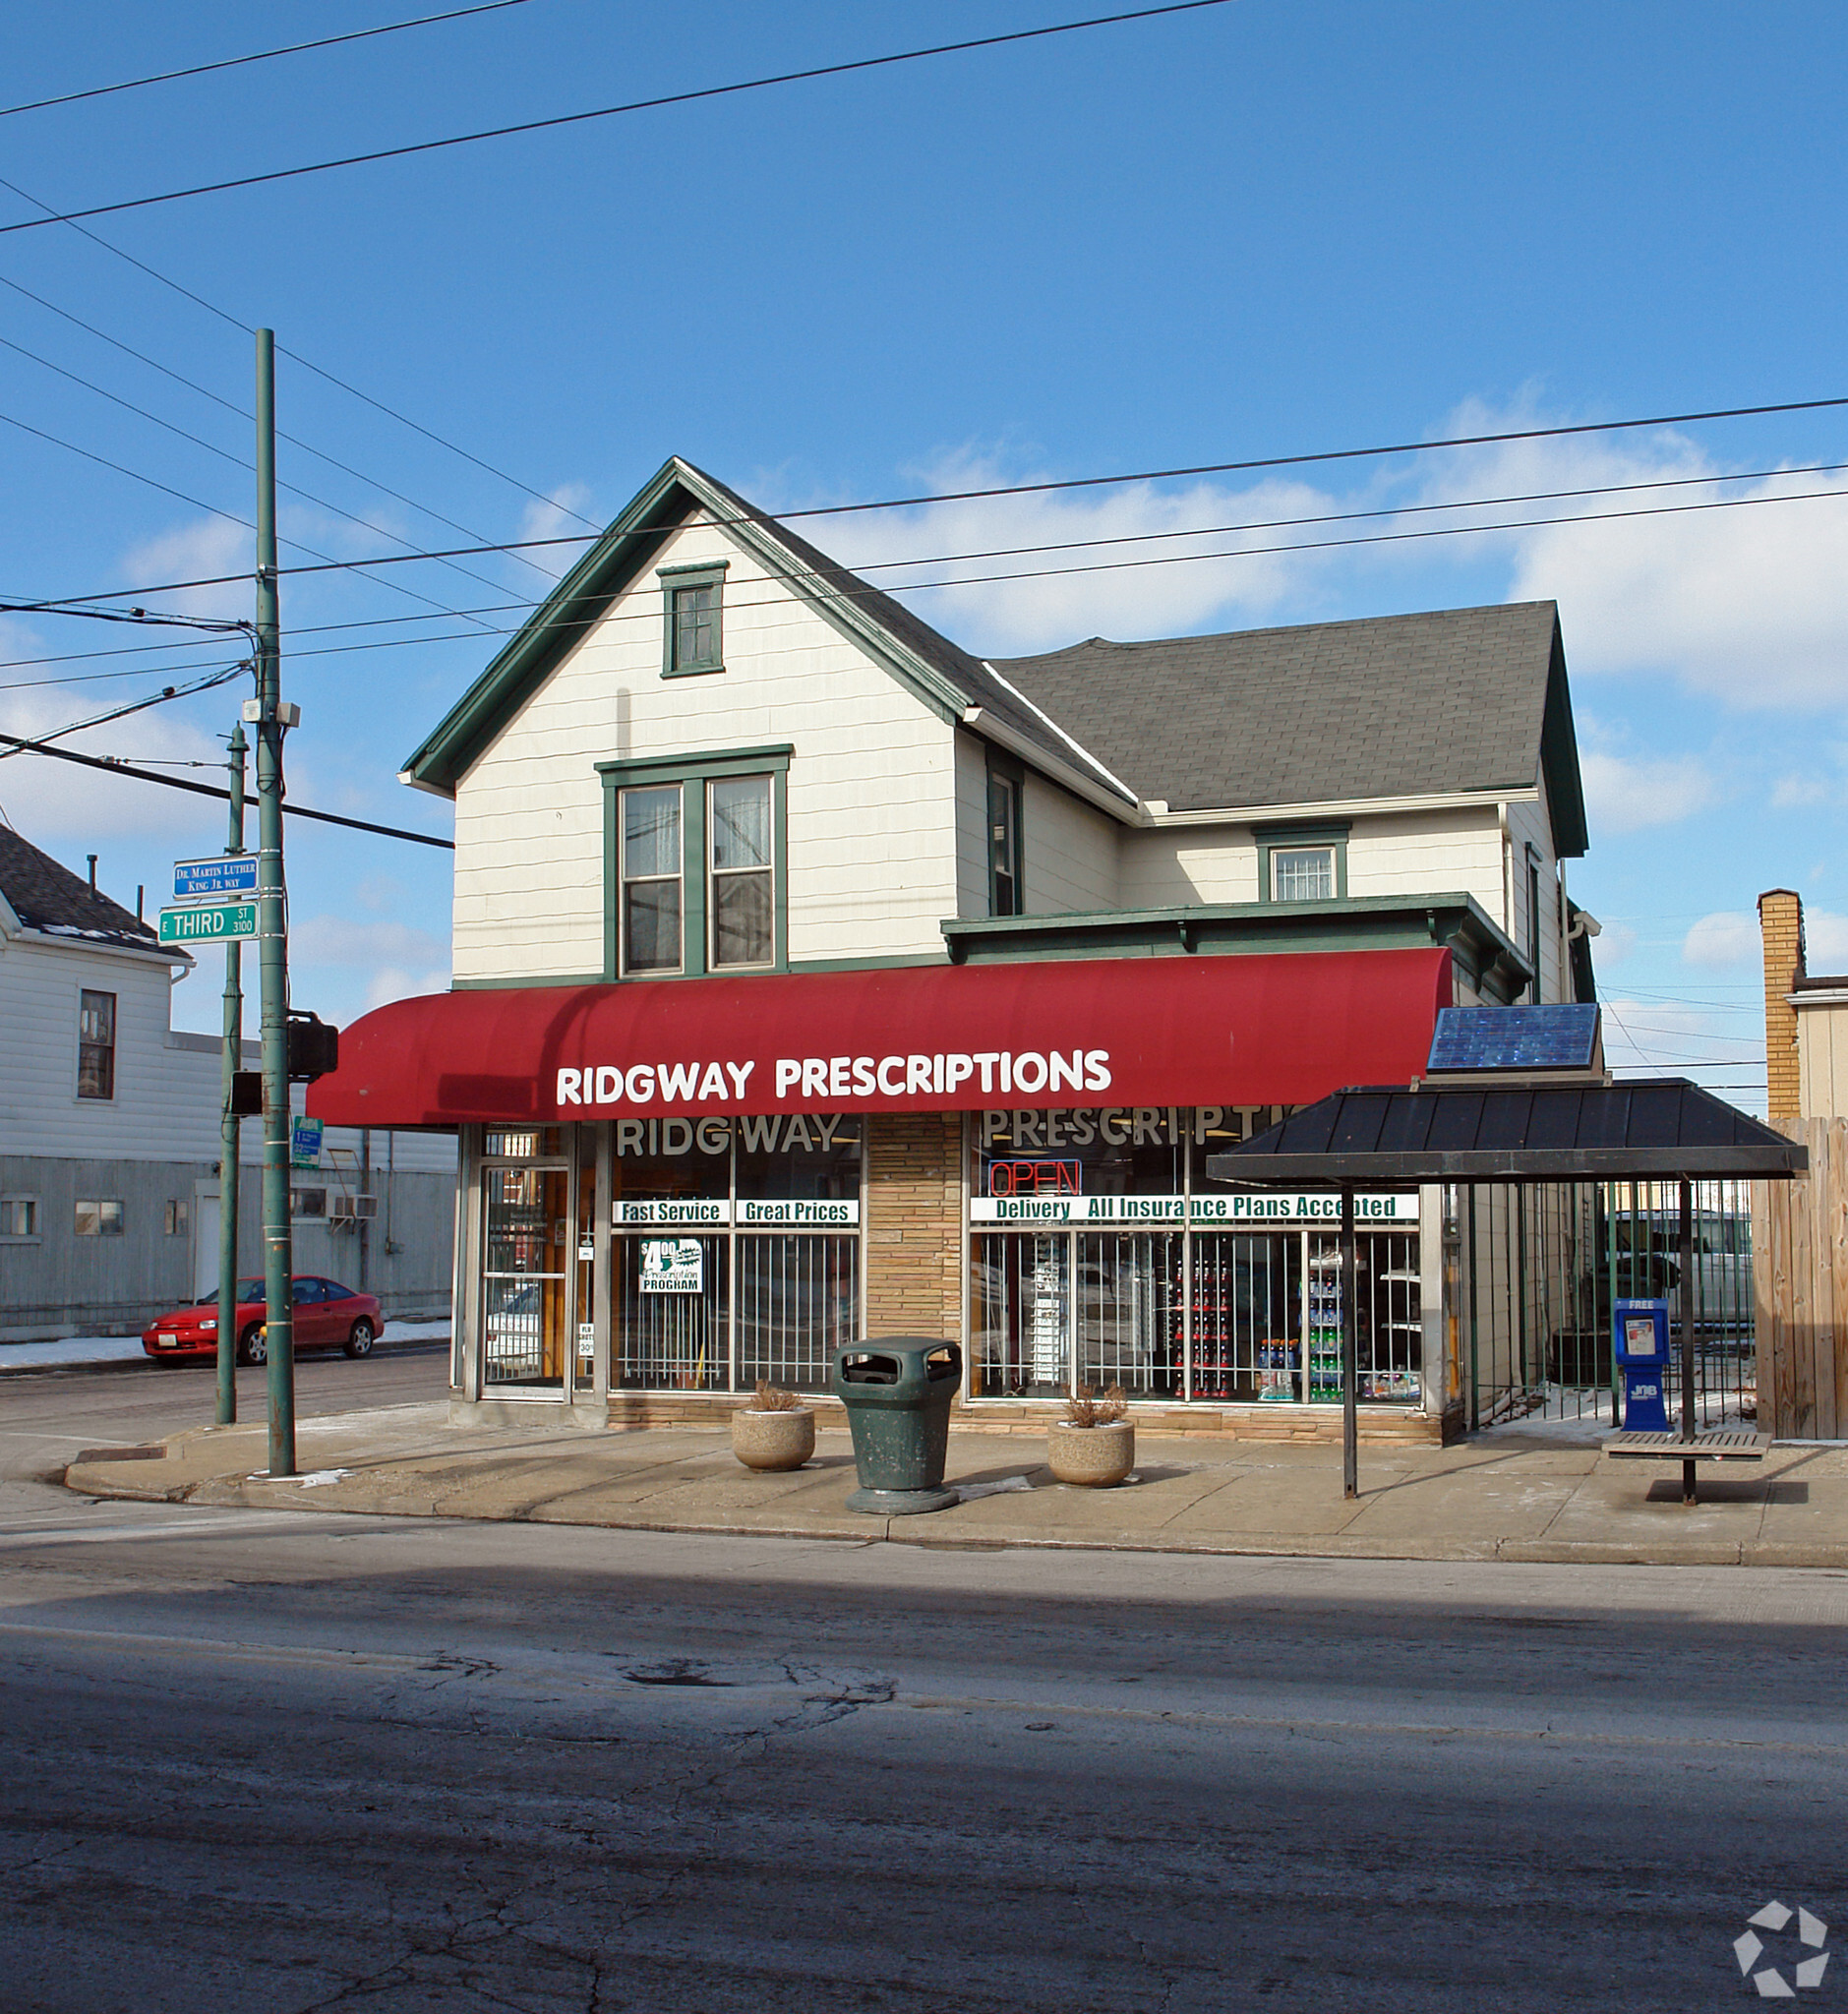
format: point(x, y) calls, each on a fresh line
point(110, 1137)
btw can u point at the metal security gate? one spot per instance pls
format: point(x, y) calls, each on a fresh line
point(1538, 1268)
point(798, 1301)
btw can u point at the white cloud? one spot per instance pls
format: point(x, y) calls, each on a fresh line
point(205, 550)
point(1825, 940)
point(1612, 944)
point(392, 982)
point(1623, 795)
point(1117, 533)
point(1796, 792)
point(1677, 1041)
point(59, 806)
point(341, 941)
point(1722, 940)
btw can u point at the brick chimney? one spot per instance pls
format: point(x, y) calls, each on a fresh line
point(1780, 924)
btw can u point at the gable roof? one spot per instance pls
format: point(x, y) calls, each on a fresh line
point(1390, 706)
point(1456, 701)
point(944, 675)
point(48, 898)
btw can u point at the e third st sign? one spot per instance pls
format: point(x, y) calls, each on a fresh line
point(208, 922)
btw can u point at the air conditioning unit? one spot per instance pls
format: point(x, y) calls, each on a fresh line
point(343, 1208)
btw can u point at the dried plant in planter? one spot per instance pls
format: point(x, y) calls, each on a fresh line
point(1087, 1409)
point(775, 1398)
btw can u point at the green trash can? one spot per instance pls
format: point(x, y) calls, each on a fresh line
point(898, 1390)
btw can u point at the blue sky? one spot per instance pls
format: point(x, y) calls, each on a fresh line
point(1253, 230)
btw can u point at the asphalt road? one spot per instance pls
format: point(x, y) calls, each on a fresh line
point(299, 1761)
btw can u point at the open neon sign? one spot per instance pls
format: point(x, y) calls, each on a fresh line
point(1034, 1177)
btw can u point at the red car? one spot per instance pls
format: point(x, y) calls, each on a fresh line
point(328, 1316)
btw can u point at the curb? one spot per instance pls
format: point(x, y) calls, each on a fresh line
point(118, 1366)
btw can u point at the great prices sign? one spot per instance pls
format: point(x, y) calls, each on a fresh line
point(1140, 1032)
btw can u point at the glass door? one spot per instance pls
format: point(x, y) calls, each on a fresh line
point(525, 1284)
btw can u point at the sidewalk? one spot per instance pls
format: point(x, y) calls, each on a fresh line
point(1501, 1496)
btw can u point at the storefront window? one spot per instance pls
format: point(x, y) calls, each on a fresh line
point(735, 1251)
point(1100, 1255)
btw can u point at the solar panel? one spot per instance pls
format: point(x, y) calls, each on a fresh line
point(1561, 1038)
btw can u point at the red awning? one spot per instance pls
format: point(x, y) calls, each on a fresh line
point(1184, 1031)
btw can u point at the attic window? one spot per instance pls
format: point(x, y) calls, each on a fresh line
point(1302, 862)
point(692, 614)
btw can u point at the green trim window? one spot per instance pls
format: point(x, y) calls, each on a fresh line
point(1005, 893)
point(694, 599)
point(652, 857)
point(1533, 920)
point(739, 821)
point(694, 863)
point(1302, 862)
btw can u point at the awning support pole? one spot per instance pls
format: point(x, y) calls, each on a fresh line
point(1690, 1485)
point(1350, 1425)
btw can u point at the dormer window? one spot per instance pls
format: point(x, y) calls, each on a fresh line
point(694, 598)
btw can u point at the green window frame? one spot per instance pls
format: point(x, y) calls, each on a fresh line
point(1278, 842)
point(692, 611)
point(1004, 792)
point(693, 776)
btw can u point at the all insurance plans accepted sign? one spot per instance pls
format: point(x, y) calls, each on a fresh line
point(1232, 1212)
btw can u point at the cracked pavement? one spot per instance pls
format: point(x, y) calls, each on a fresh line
point(305, 1762)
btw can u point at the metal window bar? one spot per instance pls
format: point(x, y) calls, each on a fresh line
point(798, 1301)
point(669, 1342)
point(1548, 1262)
point(1020, 1314)
point(1129, 1312)
point(1246, 1340)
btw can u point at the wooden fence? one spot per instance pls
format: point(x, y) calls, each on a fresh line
point(1800, 1289)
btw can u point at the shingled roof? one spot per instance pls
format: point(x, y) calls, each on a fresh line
point(49, 897)
point(1390, 706)
point(1398, 706)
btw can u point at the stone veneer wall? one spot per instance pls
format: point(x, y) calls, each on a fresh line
point(914, 1225)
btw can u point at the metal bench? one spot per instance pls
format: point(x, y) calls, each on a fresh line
point(1730, 1445)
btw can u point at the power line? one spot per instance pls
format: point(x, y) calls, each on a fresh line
point(231, 518)
point(682, 98)
point(221, 677)
point(391, 28)
point(236, 460)
point(949, 559)
point(865, 590)
point(243, 412)
point(206, 790)
point(1142, 476)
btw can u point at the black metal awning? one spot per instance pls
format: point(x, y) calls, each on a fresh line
point(1659, 1129)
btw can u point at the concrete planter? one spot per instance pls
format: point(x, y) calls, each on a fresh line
point(773, 1440)
point(1097, 1457)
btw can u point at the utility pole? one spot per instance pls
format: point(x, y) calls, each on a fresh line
point(272, 719)
point(230, 1127)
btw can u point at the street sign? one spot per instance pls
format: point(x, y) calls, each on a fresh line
point(226, 875)
point(208, 922)
point(305, 1143)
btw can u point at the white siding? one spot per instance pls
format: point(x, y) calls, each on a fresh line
point(1428, 853)
point(1068, 853)
point(1823, 1061)
point(1529, 824)
point(40, 1111)
point(1175, 865)
point(872, 800)
point(971, 826)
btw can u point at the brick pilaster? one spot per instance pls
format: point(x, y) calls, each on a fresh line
point(914, 1225)
point(1780, 924)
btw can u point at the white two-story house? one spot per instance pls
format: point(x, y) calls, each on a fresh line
point(816, 978)
point(110, 1139)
